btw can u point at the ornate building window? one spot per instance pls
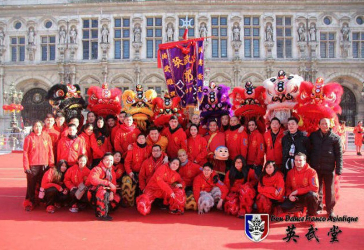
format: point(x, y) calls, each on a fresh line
point(358, 44)
point(251, 37)
point(48, 48)
point(17, 49)
point(284, 36)
point(219, 33)
point(327, 45)
point(154, 36)
point(157, 89)
point(191, 30)
point(48, 24)
point(90, 34)
point(122, 38)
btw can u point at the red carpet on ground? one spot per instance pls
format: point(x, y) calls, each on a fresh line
point(160, 230)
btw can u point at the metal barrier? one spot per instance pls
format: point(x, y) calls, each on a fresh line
point(12, 141)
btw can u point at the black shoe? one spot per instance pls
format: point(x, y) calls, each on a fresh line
point(105, 218)
point(359, 153)
point(176, 212)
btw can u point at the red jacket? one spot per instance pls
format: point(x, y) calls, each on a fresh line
point(163, 178)
point(214, 140)
point(70, 150)
point(74, 176)
point(99, 148)
point(200, 183)
point(119, 170)
point(61, 129)
point(97, 176)
point(37, 150)
point(236, 185)
point(48, 180)
point(255, 149)
point(303, 181)
point(176, 141)
point(237, 143)
point(135, 157)
point(188, 172)
point(197, 149)
point(162, 141)
point(201, 131)
point(147, 170)
point(124, 137)
point(55, 135)
point(113, 133)
point(273, 152)
point(271, 184)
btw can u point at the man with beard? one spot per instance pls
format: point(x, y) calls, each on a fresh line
point(177, 138)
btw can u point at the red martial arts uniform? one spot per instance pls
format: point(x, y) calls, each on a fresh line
point(255, 149)
point(197, 149)
point(70, 150)
point(113, 133)
point(74, 176)
point(303, 181)
point(270, 185)
point(214, 140)
point(61, 129)
point(48, 180)
point(162, 142)
point(176, 140)
point(103, 146)
point(237, 143)
point(201, 131)
point(188, 172)
point(135, 157)
point(55, 136)
point(124, 137)
point(37, 150)
point(274, 150)
point(200, 183)
point(92, 148)
point(161, 186)
point(101, 177)
point(149, 166)
point(119, 170)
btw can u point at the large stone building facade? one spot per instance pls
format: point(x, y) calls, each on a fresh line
point(89, 42)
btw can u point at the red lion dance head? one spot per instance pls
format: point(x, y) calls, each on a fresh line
point(248, 102)
point(140, 105)
point(103, 101)
point(281, 94)
point(164, 109)
point(317, 101)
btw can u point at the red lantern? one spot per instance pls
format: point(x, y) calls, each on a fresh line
point(6, 107)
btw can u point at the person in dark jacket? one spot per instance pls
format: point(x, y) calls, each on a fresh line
point(326, 158)
point(293, 142)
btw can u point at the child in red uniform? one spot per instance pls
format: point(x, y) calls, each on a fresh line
point(150, 165)
point(273, 142)
point(240, 180)
point(37, 155)
point(196, 146)
point(76, 181)
point(166, 184)
point(102, 192)
point(53, 186)
point(208, 189)
point(177, 138)
point(70, 147)
point(270, 188)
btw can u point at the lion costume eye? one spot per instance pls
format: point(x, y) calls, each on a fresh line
point(59, 93)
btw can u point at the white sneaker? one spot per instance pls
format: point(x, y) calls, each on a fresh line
point(73, 210)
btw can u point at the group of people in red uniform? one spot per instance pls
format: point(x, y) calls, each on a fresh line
point(109, 162)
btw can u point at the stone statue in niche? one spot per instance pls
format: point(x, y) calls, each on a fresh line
point(345, 30)
point(31, 36)
point(236, 32)
point(203, 30)
point(170, 32)
point(313, 32)
point(2, 38)
point(73, 35)
point(137, 34)
point(62, 36)
point(269, 33)
point(104, 35)
point(301, 33)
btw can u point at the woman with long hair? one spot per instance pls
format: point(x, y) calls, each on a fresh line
point(55, 192)
point(165, 184)
point(102, 141)
point(270, 188)
point(196, 146)
point(240, 180)
point(37, 156)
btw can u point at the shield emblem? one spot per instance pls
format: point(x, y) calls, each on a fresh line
point(256, 226)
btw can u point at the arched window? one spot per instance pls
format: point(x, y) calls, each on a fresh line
point(348, 105)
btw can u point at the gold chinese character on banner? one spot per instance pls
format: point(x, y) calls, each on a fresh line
point(200, 76)
point(177, 62)
point(164, 56)
point(167, 69)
